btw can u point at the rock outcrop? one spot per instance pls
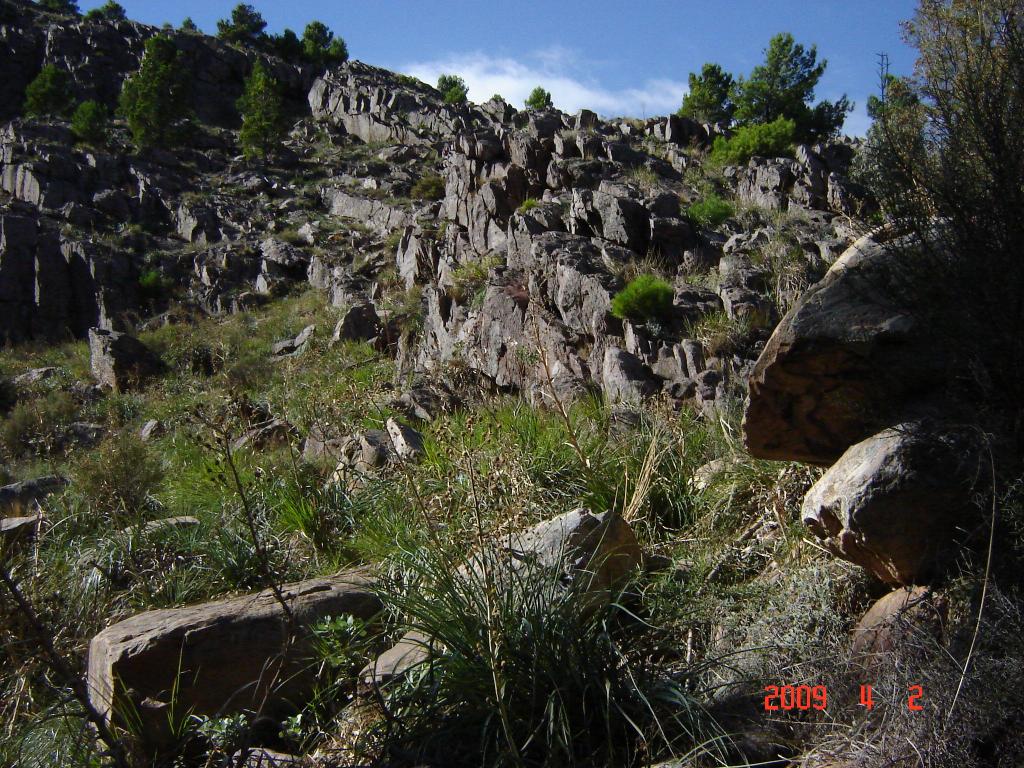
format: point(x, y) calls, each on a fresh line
point(238, 654)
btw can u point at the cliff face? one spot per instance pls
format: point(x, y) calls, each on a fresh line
point(536, 220)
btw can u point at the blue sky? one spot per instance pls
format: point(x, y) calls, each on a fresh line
point(611, 56)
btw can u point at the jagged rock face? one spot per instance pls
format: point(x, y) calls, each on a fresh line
point(892, 502)
point(844, 362)
point(815, 179)
point(29, 41)
point(50, 286)
point(376, 106)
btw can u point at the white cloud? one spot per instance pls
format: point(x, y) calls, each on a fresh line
point(559, 71)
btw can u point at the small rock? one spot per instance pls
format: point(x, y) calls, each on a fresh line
point(159, 526)
point(35, 375)
point(359, 323)
point(16, 531)
point(151, 429)
point(295, 346)
point(27, 495)
point(271, 434)
point(407, 441)
point(904, 615)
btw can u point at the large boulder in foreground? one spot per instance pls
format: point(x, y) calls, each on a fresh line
point(893, 502)
point(846, 360)
point(219, 657)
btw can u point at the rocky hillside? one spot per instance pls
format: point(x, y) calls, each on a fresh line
point(392, 377)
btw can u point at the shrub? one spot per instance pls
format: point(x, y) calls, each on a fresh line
point(49, 93)
point(528, 205)
point(90, 122)
point(109, 11)
point(38, 424)
point(531, 673)
point(539, 99)
point(189, 26)
point(773, 139)
point(262, 119)
point(153, 284)
point(430, 186)
point(154, 100)
point(709, 211)
point(644, 298)
point(453, 88)
point(119, 477)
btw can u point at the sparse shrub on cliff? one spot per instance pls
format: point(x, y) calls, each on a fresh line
point(774, 139)
point(644, 298)
point(710, 211)
point(90, 123)
point(528, 205)
point(430, 186)
point(49, 94)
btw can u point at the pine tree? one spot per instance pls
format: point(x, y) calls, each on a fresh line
point(262, 117)
point(784, 87)
point(710, 96)
point(245, 26)
point(49, 93)
point(90, 122)
point(321, 47)
point(539, 99)
point(453, 88)
point(154, 100)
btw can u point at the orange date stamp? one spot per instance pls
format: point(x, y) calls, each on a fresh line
point(786, 698)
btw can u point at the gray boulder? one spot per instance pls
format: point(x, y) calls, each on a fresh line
point(219, 657)
point(893, 502)
point(120, 361)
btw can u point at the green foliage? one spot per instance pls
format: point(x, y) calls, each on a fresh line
point(784, 87)
point(429, 186)
point(709, 99)
point(189, 26)
point(244, 28)
point(469, 279)
point(119, 477)
point(321, 46)
point(67, 7)
point(90, 123)
point(37, 424)
point(287, 45)
point(49, 93)
point(154, 100)
point(153, 284)
point(539, 99)
point(453, 88)
point(109, 11)
point(531, 673)
point(720, 334)
point(646, 297)
point(710, 211)
point(263, 125)
point(773, 139)
point(528, 205)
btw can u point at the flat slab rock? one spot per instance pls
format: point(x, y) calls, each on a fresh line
point(222, 656)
